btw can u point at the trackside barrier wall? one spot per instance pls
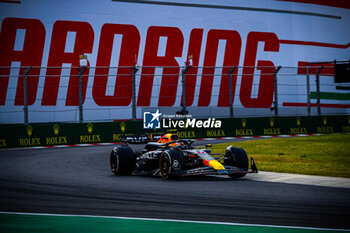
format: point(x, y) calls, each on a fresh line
point(20, 135)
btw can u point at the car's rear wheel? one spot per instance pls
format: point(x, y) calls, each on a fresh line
point(171, 163)
point(122, 161)
point(237, 157)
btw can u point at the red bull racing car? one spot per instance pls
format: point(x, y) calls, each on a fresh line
point(171, 157)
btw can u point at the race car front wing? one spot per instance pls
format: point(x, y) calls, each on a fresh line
point(211, 171)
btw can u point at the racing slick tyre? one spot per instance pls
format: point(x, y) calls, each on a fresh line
point(171, 163)
point(237, 157)
point(122, 160)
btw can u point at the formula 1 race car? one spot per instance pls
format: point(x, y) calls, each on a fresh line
point(171, 157)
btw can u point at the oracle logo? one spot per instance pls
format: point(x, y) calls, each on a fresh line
point(33, 47)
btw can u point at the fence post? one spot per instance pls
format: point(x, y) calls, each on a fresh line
point(275, 103)
point(183, 79)
point(81, 71)
point(318, 90)
point(133, 83)
point(230, 72)
point(308, 90)
point(25, 95)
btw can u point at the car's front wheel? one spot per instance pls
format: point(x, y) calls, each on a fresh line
point(237, 157)
point(171, 163)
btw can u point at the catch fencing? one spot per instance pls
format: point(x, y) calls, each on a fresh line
point(82, 94)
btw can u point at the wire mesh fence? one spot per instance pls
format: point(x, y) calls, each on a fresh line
point(73, 94)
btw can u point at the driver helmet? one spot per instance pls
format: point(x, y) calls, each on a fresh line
point(168, 138)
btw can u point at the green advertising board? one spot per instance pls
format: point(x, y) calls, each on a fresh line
point(50, 134)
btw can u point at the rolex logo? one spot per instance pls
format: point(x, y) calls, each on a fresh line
point(89, 127)
point(244, 122)
point(324, 119)
point(56, 129)
point(122, 126)
point(29, 130)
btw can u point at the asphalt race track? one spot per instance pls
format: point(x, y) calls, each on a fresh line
point(78, 180)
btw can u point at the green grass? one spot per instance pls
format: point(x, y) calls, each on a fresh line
point(326, 155)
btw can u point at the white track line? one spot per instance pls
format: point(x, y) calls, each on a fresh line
point(176, 220)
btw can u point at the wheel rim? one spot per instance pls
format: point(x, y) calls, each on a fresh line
point(164, 165)
point(114, 162)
